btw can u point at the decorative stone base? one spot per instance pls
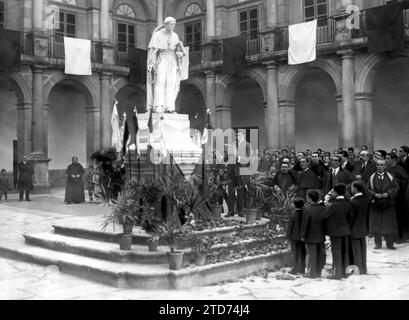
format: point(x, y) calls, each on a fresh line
point(177, 146)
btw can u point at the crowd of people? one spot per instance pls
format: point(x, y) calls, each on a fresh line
point(344, 194)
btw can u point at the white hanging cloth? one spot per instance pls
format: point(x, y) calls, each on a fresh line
point(302, 42)
point(77, 56)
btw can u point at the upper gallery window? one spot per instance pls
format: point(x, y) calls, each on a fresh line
point(126, 11)
point(248, 23)
point(1, 14)
point(193, 10)
point(316, 9)
point(67, 26)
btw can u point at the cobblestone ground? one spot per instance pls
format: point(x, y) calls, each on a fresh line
point(388, 270)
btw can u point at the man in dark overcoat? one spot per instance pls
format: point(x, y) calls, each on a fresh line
point(401, 203)
point(338, 217)
point(25, 178)
point(313, 234)
point(364, 167)
point(298, 250)
point(359, 225)
point(382, 189)
point(335, 175)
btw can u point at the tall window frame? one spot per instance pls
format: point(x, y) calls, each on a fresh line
point(194, 34)
point(125, 16)
point(316, 9)
point(67, 26)
point(249, 23)
point(125, 35)
point(2, 15)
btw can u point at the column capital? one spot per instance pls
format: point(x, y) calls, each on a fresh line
point(346, 54)
point(224, 108)
point(93, 109)
point(24, 106)
point(265, 104)
point(210, 73)
point(46, 106)
point(338, 97)
point(273, 64)
point(105, 75)
point(364, 96)
point(286, 103)
point(38, 68)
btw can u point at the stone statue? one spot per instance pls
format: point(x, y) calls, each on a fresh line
point(165, 58)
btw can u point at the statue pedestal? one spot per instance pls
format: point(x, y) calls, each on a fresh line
point(177, 142)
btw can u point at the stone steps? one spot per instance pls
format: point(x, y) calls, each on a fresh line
point(100, 250)
point(144, 276)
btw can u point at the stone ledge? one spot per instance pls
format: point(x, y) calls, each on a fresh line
point(124, 276)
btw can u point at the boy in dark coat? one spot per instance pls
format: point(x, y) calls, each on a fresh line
point(313, 234)
point(298, 250)
point(338, 218)
point(359, 225)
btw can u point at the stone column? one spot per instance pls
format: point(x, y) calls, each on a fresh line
point(223, 117)
point(159, 12)
point(104, 21)
point(283, 9)
point(45, 134)
point(38, 15)
point(38, 110)
point(105, 110)
point(339, 119)
point(93, 127)
point(364, 119)
point(211, 94)
point(271, 12)
point(272, 112)
point(210, 20)
point(348, 92)
point(24, 129)
point(287, 124)
point(39, 156)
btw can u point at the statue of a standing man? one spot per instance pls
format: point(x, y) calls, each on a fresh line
point(164, 68)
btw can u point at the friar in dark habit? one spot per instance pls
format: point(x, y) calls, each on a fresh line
point(74, 190)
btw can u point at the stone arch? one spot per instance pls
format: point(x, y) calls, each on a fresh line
point(366, 75)
point(20, 87)
point(225, 85)
point(135, 5)
point(197, 82)
point(84, 83)
point(291, 78)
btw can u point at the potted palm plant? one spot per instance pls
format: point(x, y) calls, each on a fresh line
point(201, 245)
point(254, 196)
point(127, 212)
point(150, 195)
point(281, 207)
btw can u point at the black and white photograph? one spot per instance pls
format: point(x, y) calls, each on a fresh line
point(204, 154)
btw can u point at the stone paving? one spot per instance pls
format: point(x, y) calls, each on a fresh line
point(388, 270)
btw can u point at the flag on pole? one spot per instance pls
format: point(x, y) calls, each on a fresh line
point(150, 137)
point(116, 129)
point(207, 126)
point(131, 133)
point(197, 134)
point(136, 126)
point(163, 149)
